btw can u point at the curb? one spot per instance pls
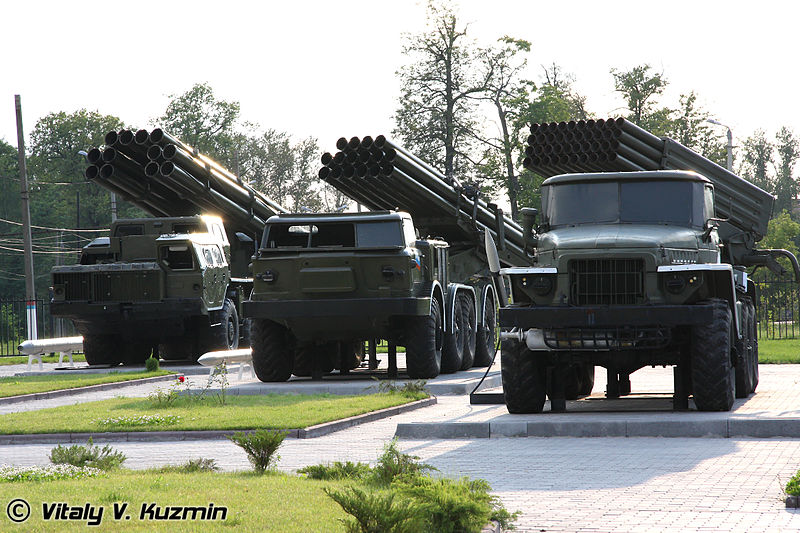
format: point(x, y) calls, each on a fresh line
point(155, 436)
point(80, 390)
point(713, 428)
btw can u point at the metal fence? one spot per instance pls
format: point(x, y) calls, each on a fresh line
point(778, 316)
point(13, 324)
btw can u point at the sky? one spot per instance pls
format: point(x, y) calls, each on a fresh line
point(327, 68)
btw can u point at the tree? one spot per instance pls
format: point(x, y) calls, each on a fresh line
point(204, 122)
point(757, 156)
point(12, 281)
point(509, 94)
point(437, 115)
point(788, 150)
point(639, 87)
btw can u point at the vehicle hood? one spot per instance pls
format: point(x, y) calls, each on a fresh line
point(618, 236)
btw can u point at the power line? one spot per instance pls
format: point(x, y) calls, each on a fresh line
point(54, 229)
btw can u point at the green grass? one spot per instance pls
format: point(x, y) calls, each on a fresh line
point(23, 359)
point(780, 351)
point(272, 503)
point(13, 386)
point(273, 411)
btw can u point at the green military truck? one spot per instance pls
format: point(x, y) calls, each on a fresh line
point(632, 269)
point(323, 284)
point(326, 283)
point(155, 282)
point(174, 282)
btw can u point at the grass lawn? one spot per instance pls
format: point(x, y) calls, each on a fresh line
point(270, 503)
point(23, 359)
point(13, 386)
point(273, 411)
point(783, 351)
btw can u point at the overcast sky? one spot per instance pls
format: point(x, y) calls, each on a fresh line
point(327, 68)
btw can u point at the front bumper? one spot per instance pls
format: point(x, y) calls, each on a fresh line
point(605, 317)
point(352, 307)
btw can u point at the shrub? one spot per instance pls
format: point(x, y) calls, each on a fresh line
point(412, 389)
point(375, 512)
point(337, 470)
point(191, 466)
point(393, 464)
point(105, 458)
point(151, 364)
point(793, 486)
point(260, 447)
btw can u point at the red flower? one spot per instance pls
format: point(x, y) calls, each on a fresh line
point(181, 378)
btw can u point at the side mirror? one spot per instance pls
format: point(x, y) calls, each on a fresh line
point(529, 215)
point(710, 225)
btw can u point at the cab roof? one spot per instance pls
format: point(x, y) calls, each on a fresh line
point(314, 218)
point(627, 176)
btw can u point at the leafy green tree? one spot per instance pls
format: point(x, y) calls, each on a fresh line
point(757, 157)
point(204, 122)
point(691, 128)
point(437, 118)
point(788, 150)
point(640, 87)
point(781, 233)
point(12, 281)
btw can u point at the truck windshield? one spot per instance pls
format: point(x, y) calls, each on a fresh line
point(334, 235)
point(678, 203)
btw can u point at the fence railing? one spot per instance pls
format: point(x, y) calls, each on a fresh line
point(14, 328)
point(778, 316)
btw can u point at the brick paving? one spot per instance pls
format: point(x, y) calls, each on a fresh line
point(564, 484)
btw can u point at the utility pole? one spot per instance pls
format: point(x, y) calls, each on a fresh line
point(30, 290)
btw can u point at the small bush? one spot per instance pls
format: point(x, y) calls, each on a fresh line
point(105, 458)
point(337, 470)
point(375, 512)
point(191, 466)
point(260, 447)
point(11, 474)
point(793, 486)
point(164, 397)
point(151, 364)
point(393, 464)
point(411, 389)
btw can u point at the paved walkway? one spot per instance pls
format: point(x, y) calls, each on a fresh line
point(563, 484)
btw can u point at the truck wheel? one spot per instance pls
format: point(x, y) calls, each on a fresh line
point(713, 378)
point(423, 338)
point(304, 358)
point(353, 354)
point(744, 370)
point(754, 325)
point(524, 378)
point(272, 351)
point(99, 349)
point(136, 354)
point(587, 380)
point(578, 381)
point(453, 347)
point(224, 335)
point(486, 337)
point(470, 335)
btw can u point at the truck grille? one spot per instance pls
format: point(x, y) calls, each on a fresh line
point(110, 286)
point(606, 281)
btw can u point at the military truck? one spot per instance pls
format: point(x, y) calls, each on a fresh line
point(632, 269)
point(174, 282)
point(323, 284)
point(154, 282)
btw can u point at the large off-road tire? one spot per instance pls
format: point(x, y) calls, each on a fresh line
point(453, 347)
point(273, 353)
point(352, 353)
point(578, 381)
point(470, 333)
point(524, 378)
point(486, 336)
point(135, 354)
point(101, 349)
point(223, 334)
point(745, 373)
point(423, 338)
point(305, 354)
point(755, 345)
point(713, 378)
